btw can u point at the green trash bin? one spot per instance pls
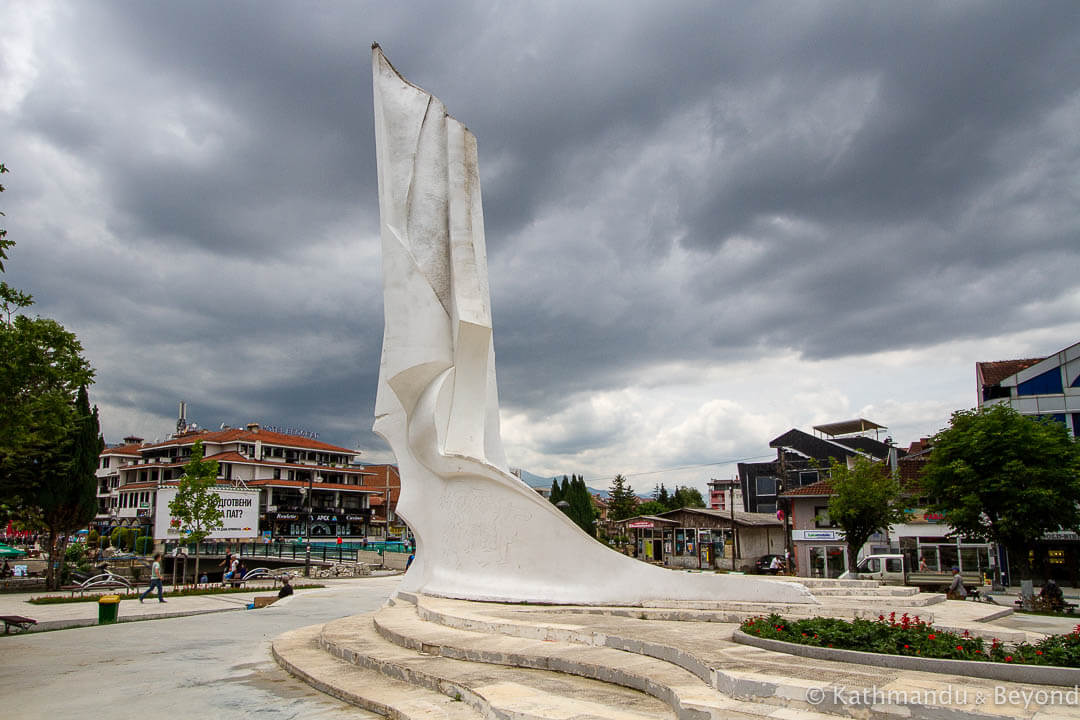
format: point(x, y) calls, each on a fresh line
point(107, 608)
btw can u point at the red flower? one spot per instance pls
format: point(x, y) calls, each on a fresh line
point(1038, 652)
point(931, 636)
point(959, 647)
point(1008, 658)
point(907, 647)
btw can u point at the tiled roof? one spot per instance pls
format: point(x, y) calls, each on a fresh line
point(752, 519)
point(996, 371)
point(819, 489)
point(243, 435)
point(122, 450)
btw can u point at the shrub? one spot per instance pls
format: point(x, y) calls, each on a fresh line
point(123, 538)
point(93, 539)
point(144, 545)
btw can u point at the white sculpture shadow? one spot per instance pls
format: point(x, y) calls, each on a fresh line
point(481, 533)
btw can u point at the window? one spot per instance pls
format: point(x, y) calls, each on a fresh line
point(766, 486)
point(821, 517)
point(1049, 383)
point(808, 477)
point(766, 508)
point(277, 473)
point(105, 462)
point(894, 565)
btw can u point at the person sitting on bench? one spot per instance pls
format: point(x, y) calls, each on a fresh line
point(957, 591)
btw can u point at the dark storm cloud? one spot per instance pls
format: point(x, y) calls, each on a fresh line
point(694, 183)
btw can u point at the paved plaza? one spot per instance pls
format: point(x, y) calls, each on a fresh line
point(211, 656)
point(214, 663)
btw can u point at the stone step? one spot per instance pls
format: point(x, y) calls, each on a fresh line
point(298, 653)
point(681, 689)
point(706, 650)
point(511, 693)
point(889, 590)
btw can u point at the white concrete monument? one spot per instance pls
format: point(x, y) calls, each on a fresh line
point(481, 533)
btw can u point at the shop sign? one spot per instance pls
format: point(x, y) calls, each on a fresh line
point(640, 524)
point(1068, 535)
point(355, 518)
point(288, 516)
point(918, 516)
point(826, 535)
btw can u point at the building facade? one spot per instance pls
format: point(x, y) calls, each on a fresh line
point(299, 481)
point(803, 459)
point(1046, 387)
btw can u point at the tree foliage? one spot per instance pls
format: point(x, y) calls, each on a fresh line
point(196, 507)
point(579, 502)
point(622, 503)
point(865, 500)
point(41, 372)
point(650, 507)
point(1001, 476)
point(65, 493)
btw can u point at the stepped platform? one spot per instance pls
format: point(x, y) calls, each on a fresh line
point(427, 657)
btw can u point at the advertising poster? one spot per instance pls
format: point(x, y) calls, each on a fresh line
point(239, 509)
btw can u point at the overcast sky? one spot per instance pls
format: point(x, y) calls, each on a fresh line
point(707, 223)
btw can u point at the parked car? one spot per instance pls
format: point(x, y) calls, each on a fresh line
point(764, 565)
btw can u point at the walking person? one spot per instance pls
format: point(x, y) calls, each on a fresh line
point(157, 579)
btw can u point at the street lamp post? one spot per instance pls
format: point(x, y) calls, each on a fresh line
point(307, 536)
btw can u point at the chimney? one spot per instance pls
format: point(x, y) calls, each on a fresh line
point(133, 440)
point(253, 427)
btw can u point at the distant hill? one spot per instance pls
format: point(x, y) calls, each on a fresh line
point(536, 481)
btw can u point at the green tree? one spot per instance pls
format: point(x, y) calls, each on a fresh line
point(581, 509)
point(622, 503)
point(1001, 476)
point(660, 495)
point(196, 507)
point(650, 507)
point(686, 497)
point(556, 492)
point(865, 500)
point(65, 493)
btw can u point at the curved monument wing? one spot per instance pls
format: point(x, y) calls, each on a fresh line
point(481, 533)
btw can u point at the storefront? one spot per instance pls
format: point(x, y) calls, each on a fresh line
point(698, 538)
point(820, 553)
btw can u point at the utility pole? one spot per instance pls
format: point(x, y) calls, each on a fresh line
point(731, 490)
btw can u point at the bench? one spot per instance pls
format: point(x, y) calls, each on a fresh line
point(22, 623)
point(106, 581)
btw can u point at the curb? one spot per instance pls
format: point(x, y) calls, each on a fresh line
point(1031, 674)
point(48, 625)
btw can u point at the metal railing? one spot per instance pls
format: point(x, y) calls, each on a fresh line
point(321, 551)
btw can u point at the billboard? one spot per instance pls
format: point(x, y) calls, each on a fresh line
point(239, 509)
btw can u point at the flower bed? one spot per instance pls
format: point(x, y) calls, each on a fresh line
point(911, 636)
point(184, 591)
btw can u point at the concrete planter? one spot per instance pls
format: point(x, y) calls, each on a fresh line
point(1031, 674)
